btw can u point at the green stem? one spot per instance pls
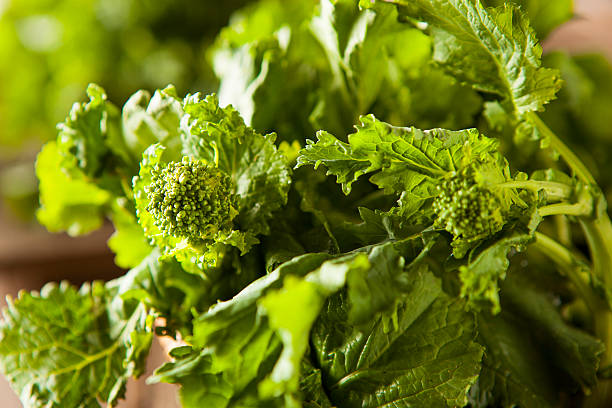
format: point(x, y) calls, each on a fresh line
point(598, 232)
point(577, 209)
point(564, 151)
point(564, 231)
point(573, 267)
point(555, 191)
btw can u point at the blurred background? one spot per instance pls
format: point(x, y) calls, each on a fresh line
point(51, 49)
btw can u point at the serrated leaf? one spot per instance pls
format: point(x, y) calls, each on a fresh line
point(494, 50)
point(90, 133)
point(404, 159)
point(258, 170)
point(57, 350)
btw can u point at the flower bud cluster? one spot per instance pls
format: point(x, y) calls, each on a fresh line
point(465, 209)
point(189, 199)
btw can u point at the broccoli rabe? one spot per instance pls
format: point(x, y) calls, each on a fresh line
point(465, 209)
point(191, 200)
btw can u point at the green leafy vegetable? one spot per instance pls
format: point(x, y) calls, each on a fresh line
point(445, 263)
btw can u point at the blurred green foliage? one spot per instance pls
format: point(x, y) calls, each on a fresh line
point(51, 49)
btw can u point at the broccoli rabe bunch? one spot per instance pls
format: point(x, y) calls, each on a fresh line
point(191, 199)
point(466, 209)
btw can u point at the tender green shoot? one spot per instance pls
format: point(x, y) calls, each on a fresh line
point(191, 200)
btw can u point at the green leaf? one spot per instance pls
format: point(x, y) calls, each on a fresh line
point(68, 201)
point(405, 159)
point(480, 277)
point(255, 60)
point(234, 346)
point(128, 242)
point(258, 170)
point(275, 314)
point(148, 120)
point(375, 284)
point(357, 44)
point(57, 349)
point(311, 387)
point(91, 133)
point(212, 329)
point(434, 99)
point(169, 290)
point(379, 288)
point(293, 309)
point(568, 348)
point(198, 387)
point(494, 50)
point(294, 68)
point(513, 371)
point(429, 359)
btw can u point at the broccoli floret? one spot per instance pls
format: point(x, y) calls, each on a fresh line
point(465, 209)
point(191, 200)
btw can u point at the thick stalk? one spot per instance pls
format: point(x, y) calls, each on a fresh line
point(574, 268)
point(565, 152)
point(576, 209)
point(555, 191)
point(598, 231)
point(564, 232)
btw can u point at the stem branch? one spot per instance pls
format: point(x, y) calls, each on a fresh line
point(555, 191)
point(564, 151)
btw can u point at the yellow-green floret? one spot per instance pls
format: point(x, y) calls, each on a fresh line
point(191, 200)
point(465, 209)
